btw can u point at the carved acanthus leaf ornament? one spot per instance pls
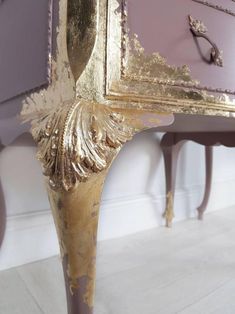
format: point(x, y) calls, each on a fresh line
point(78, 137)
point(75, 137)
point(78, 140)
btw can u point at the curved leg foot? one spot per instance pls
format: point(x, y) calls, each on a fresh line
point(171, 151)
point(169, 211)
point(77, 143)
point(76, 215)
point(209, 164)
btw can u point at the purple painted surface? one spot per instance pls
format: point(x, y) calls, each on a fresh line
point(197, 123)
point(23, 46)
point(162, 26)
point(75, 301)
point(31, 61)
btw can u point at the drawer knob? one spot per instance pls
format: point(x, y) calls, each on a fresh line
point(198, 29)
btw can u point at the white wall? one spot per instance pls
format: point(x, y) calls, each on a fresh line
point(133, 198)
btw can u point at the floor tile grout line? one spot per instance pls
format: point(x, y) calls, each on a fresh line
point(210, 292)
point(28, 289)
point(206, 295)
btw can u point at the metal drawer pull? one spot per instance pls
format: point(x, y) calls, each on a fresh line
point(198, 29)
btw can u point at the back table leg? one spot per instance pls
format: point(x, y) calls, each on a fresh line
point(171, 144)
point(209, 165)
point(170, 153)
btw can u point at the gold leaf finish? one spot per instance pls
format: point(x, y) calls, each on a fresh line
point(81, 33)
point(169, 212)
point(136, 79)
point(78, 140)
point(154, 66)
point(76, 216)
point(90, 109)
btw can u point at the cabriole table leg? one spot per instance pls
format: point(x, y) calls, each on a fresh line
point(77, 143)
point(76, 218)
point(209, 165)
point(170, 151)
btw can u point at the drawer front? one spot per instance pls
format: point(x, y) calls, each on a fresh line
point(165, 28)
point(158, 47)
point(24, 46)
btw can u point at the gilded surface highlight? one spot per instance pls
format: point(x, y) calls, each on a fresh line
point(81, 33)
point(78, 138)
point(89, 111)
point(169, 212)
point(139, 80)
point(76, 215)
point(161, 83)
point(154, 67)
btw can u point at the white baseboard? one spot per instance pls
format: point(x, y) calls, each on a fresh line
point(28, 238)
point(138, 213)
point(32, 237)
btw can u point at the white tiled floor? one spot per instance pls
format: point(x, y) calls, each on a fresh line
point(189, 269)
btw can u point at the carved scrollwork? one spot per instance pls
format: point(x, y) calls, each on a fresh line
point(78, 140)
point(77, 137)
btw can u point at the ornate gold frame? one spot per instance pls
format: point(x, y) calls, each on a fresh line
point(81, 122)
point(133, 78)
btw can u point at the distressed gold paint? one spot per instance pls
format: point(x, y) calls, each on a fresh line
point(81, 33)
point(169, 212)
point(78, 137)
point(138, 79)
point(154, 67)
point(62, 88)
point(154, 77)
point(75, 197)
point(77, 141)
point(76, 219)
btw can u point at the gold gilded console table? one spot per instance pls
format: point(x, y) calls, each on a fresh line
point(118, 67)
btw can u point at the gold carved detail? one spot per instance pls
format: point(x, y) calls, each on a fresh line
point(150, 79)
point(75, 141)
point(164, 84)
point(78, 137)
